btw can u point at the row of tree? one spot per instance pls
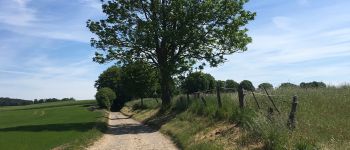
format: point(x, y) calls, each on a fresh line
point(48, 100)
point(199, 81)
point(116, 85)
point(6, 101)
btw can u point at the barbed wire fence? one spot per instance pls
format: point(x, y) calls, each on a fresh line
point(291, 122)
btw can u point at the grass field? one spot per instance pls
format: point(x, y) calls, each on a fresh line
point(68, 125)
point(323, 121)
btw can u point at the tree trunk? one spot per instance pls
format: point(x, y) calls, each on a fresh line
point(165, 85)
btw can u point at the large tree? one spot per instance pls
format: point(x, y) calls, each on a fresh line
point(172, 35)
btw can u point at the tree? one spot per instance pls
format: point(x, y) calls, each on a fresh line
point(211, 81)
point(172, 35)
point(288, 85)
point(247, 85)
point(105, 97)
point(196, 82)
point(313, 84)
point(231, 84)
point(139, 78)
point(265, 85)
point(112, 79)
point(244, 85)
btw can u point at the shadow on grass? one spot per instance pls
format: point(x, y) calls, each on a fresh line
point(81, 127)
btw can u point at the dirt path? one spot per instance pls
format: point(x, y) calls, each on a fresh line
point(127, 134)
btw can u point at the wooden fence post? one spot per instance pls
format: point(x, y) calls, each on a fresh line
point(218, 95)
point(241, 97)
point(291, 121)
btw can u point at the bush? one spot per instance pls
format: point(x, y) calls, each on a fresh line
point(265, 85)
point(105, 97)
point(247, 85)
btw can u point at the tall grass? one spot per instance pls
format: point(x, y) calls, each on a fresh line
point(323, 119)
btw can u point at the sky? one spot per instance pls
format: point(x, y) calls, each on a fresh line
point(45, 47)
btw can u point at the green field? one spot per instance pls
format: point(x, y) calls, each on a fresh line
point(323, 120)
point(68, 125)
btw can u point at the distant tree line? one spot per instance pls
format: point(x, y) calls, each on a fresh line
point(49, 100)
point(5, 101)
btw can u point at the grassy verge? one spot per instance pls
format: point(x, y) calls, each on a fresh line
point(322, 121)
point(63, 125)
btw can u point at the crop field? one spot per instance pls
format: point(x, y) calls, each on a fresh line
point(66, 125)
point(322, 120)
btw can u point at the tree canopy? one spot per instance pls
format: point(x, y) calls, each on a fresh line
point(172, 35)
point(265, 85)
point(139, 79)
point(313, 84)
point(198, 81)
point(231, 84)
point(247, 85)
point(288, 85)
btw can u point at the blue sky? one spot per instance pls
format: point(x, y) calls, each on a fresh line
point(45, 50)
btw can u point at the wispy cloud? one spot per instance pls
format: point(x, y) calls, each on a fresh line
point(17, 13)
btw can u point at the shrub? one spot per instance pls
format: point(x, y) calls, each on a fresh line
point(265, 85)
point(105, 97)
point(247, 85)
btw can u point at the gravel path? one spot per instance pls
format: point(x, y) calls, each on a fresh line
point(127, 134)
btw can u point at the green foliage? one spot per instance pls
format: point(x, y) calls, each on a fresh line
point(231, 84)
point(109, 78)
point(112, 78)
point(313, 84)
point(49, 125)
point(265, 85)
point(198, 81)
point(139, 79)
point(211, 80)
point(288, 85)
point(105, 97)
point(247, 85)
point(171, 35)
